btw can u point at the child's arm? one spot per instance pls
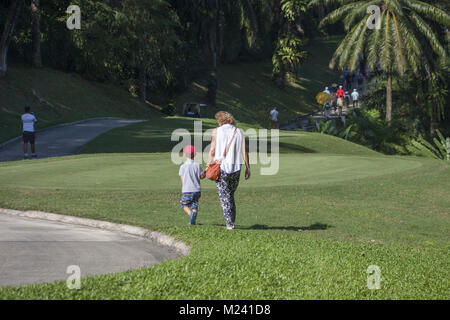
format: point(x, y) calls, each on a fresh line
point(202, 174)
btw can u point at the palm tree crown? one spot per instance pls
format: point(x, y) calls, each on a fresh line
point(403, 37)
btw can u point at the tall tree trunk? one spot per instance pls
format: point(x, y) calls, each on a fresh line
point(36, 33)
point(213, 44)
point(276, 18)
point(389, 98)
point(320, 11)
point(142, 83)
point(7, 34)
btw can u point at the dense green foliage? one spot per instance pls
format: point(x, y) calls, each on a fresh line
point(170, 41)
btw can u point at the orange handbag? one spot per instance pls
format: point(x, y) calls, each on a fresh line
point(213, 170)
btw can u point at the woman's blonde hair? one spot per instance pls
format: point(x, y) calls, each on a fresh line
point(224, 117)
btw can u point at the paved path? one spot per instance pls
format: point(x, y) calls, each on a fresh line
point(33, 251)
point(63, 140)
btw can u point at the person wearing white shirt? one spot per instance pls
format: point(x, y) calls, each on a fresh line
point(274, 118)
point(355, 96)
point(28, 133)
point(228, 146)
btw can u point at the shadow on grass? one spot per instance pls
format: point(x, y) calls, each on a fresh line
point(290, 147)
point(313, 227)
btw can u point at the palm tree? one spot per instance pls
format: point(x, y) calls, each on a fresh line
point(404, 38)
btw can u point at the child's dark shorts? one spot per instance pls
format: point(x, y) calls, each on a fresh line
point(190, 199)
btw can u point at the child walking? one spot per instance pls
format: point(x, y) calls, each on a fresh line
point(190, 174)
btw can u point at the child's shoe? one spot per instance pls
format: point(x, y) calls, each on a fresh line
point(193, 218)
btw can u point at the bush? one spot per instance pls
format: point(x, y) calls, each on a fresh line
point(169, 109)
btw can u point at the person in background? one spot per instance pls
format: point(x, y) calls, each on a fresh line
point(28, 133)
point(340, 92)
point(326, 90)
point(274, 118)
point(355, 96)
point(340, 100)
point(346, 99)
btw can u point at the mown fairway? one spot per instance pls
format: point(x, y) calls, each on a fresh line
point(311, 231)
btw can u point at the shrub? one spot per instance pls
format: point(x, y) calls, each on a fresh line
point(169, 109)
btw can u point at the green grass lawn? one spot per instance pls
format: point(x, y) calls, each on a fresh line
point(309, 232)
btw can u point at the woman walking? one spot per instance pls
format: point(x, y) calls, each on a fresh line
point(228, 146)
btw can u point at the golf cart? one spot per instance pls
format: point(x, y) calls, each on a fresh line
point(192, 109)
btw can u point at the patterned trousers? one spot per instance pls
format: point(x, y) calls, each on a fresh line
point(226, 186)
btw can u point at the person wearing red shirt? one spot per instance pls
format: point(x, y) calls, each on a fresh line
point(340, 92)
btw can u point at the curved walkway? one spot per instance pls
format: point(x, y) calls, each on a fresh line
point(62, 140)
point(36, 251)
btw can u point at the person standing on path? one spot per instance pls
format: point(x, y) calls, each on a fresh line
point(355, 96)
point(28, 133)
point(340, 100)
point(226, 134)
point(274, 118)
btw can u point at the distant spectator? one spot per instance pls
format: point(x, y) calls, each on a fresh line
point(340, 92)
point(326, 90)
point(355, 96)
point(326, 109)
point(28, 121)
point(274, 118)
point(346, 99)
point(334, 87)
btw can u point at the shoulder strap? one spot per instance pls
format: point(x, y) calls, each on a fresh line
point(229, 144)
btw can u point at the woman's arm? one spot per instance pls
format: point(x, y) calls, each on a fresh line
point(212, 150)
point(245, 156)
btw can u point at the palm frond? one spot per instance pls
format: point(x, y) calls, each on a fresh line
point(429, 11)
point(386, 59)
point(374, 43)
point(426, 30)
point(358, 48)
point(340, 13)
point(358, 12)
point(398, 44)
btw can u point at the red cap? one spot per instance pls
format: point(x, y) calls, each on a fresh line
point(188, 150)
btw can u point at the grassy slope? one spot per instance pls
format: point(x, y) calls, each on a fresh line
point(72, 98)
point(154, 136)
point(244, 89)
point(247, 90)
point(309, 232)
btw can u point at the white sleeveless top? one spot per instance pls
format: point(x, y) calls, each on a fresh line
point(233, 161)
